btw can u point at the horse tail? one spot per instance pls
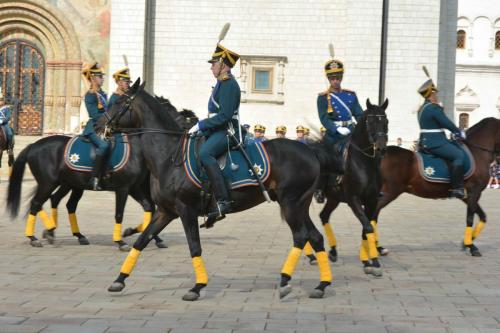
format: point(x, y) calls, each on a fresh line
point(15, 182)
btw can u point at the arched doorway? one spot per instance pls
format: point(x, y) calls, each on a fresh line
point(22, 75)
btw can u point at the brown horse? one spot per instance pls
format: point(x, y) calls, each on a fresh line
point(3, 146)
point(400, 174)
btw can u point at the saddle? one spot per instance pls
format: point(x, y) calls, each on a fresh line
point(79, 153)
point(233, 165)
point(434, 169)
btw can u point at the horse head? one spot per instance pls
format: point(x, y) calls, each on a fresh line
point(377, 125)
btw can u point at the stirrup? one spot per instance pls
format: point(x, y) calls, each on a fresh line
point(94, 184)
point(319, 195)
point(458, 193)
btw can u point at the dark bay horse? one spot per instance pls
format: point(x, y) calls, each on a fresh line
point(361, 184)
point(400, 174)
point(295, 170)
point(186, 119)
point(4, 146)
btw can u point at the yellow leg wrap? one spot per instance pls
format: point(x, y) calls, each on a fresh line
point(308, 249)
point(130, 262)
point(468, 236)
point(375, 229)
point(73, 222)
point(332, 241)
point(363, 250)
point(46, 220)
point(145, 222)
point(372, 246)
point(199, 270)
point(477, 230)
point(117, 232)
point(325, 273)
point(54, 215)
point(10, 171)
point(291, 261)
point(30, 225)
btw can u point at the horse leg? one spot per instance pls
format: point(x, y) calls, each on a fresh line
point(76, 195)
point(472, 208)
point(160, 220)
point(325, 273)
point(481, 224)
point(10, 162)
point(42, 194)
point(121, 199)
point(148, 206)
point(309, 253)
point(325, 214)
point(293, 217)
point(389, 196)
point(55, 199)
point(368, 247)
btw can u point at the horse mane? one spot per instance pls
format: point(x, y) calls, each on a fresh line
point(480, 126)
point(156, 106)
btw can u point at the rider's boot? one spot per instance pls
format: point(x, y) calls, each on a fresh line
point(94, 183)
point(457, 182)
point(221, 193)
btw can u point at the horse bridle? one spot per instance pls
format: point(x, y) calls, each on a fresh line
point(372, 138)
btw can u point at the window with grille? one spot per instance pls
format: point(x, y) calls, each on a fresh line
point(461, 35)
point(497, 40)
point(463, 121)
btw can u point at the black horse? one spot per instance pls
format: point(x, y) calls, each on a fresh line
point(294, 172)
point(5, 146)
point(186, 119)
point(361, 183)
point(46, 160)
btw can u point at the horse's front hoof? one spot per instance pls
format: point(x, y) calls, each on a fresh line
point(285, 290)
point(332, 255)
point(129, 232)
point(317, 293)
point(312, 260)
point(161, 245)
point(83, 241)
point(474, 251)
point(191, 296)
point(377, 271)
point(382, 251)
point(50, 236)
point(122, 246)
point(116, 287)
point(36, 243)
point(368, 269)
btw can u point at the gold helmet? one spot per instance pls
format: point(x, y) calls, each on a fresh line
point(428, 87)
point(122, 75)
point(300, 128)
point(322, 129)
point(222, 54)
point(259, 128)
point(281, 129)
point(93, 69)
point(333, 67)
point(306, 131)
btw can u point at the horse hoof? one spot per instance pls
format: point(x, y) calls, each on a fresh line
point(377, 271)
point(368, 269)
point(44, 233)
point(190, 296)
point(285, 290)
point(317, 293)
point(124, 247)
point(312, 260)
point(36, 243)
point(116, 287)
point(382, 251)
point(51, 238)
point(129, 232)
point(475, 253)
point(332, 255)
point(161, 245)
point(83, 241)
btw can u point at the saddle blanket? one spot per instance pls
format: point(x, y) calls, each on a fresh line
point(240, 177)
point(435, 169)
point(79, 153)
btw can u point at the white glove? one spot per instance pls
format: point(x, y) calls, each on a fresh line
point(462, 134)
point(193, 130)
point(343, 130)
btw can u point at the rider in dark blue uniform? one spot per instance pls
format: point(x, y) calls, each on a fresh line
point(259, 132)
point(96, 103)
point(122, 79)
point(223, 109)
point(5, 115)
point(281, 131)
point(300, 134)
point(433, 121)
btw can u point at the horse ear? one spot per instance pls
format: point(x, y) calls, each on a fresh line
point(386, 103)
point(136, 84)
point(368, 104)
point(141, 87)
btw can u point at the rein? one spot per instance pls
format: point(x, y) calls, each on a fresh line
point(363, 150)
point(493, 152)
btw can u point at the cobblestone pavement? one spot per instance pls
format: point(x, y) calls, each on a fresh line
point(429, 284)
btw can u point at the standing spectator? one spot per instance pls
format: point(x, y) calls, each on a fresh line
point(399, 142)
point(494, 167)
point(281, 131)
point(259, 131)
point(300, 134)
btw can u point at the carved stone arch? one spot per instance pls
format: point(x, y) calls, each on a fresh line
point(47, 27)
point(466, 100)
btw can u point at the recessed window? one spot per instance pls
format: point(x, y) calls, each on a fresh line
point(463, 121)
point(497, 40)
point(262, 80)
point(461, 35)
